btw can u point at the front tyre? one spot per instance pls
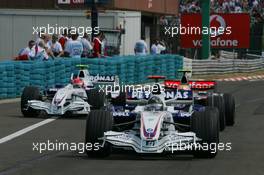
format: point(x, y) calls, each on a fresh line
point(229, 109)
point(218, 102)
point(206, 126)
point(96, 98)
point(30, 93)
point(97, 123)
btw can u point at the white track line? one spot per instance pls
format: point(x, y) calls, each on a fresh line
point(26, 130)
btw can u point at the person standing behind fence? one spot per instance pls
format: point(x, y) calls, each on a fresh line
point(104, 45)
point(24, 53)
point(63, 39)
point(74, 48)
point(38, 52)
point(55, 46)
point(87, 46)
point(157, 47)
point(97, 49)
point(141, 47)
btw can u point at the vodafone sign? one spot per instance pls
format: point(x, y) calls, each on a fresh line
point(227, 30)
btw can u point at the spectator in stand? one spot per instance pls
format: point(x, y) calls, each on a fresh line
point(87, 46)
point(97, 49)
point(227, 6)
point(255, 3)
point(38, 52)
point(157, 47)
point(55, 46)
point(74, 48)
point(238, 9)
point(141, 47)
point(63, 39)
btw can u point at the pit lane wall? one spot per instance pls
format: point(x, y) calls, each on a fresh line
point(15, 75)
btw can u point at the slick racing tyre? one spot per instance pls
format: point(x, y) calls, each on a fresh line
point(97, 123)
point(120, 100)
point(30, 93)
point(96, 98)
point(206, 126)
point(229, 109)
point(218, 102)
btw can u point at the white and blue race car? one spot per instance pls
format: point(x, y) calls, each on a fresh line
point(76, 98)
point(155, 122)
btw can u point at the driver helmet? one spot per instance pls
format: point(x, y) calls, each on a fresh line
point(155, 100)
point(184, 87)
point(155, 103)
point(77, 81)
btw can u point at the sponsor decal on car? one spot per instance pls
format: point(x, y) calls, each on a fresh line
point(202, 85)
point(121, 114)
point(101, 78)
point(168, 95)
point(179, 94)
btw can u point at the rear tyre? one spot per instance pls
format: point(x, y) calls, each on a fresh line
point(96, 98)
point(229, 109)
point(97, 123)
point(218, 102)
point(30, 93)
point(206, 126)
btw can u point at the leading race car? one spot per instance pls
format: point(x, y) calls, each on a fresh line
point(76, 98)
point(148, 123)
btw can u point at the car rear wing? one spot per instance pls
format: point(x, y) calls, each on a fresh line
point(195, 85)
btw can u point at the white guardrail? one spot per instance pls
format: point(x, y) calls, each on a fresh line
point(224, 65)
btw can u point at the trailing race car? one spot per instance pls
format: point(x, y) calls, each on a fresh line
point(77, 98)
point(148, 123)
point(205, 93)
point(70, 100)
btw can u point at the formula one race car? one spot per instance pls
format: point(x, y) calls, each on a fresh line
point(205, 93)
point(77, 98)
point(155, 122)
point(70, 100)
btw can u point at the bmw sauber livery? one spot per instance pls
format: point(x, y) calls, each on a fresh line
point(157, 121)
point(78, 97)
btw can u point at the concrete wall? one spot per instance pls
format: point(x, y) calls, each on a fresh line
point(17, 26)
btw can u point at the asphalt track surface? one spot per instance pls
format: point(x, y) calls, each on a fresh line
point(245, 158)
